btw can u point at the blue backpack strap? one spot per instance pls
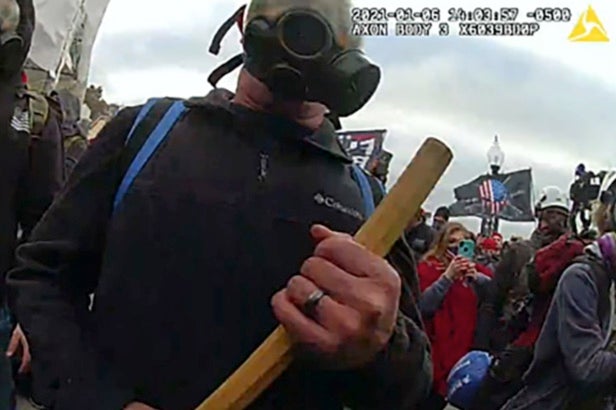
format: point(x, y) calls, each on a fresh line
point(145, 110)
point(149, 146)
point(366, 191)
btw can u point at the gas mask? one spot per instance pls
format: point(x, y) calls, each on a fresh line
point(11, 43)
point(296, 55)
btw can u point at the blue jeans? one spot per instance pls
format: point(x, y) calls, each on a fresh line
point(7, 397)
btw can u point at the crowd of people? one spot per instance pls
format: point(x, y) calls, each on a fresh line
point(521, 324)
point(140, 273)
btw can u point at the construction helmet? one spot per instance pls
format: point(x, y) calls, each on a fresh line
point(553, 197)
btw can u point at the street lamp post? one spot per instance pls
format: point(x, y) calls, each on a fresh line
point(496, 158)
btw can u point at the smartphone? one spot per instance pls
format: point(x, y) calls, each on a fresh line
point(466, 249)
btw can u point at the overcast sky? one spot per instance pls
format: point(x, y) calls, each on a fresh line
point(551, 101)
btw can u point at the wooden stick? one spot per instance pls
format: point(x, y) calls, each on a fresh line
point(378, 234)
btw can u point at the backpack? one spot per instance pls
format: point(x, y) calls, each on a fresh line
point(154, 122)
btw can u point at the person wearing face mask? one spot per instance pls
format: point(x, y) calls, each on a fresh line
point(155, 213)
point(451, 287)
point(574, 363)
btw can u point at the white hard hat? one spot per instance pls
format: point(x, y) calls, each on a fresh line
point(553, 197)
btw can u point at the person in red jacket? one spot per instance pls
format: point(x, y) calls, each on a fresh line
point(450, 286)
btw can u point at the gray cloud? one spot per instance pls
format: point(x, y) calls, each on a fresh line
point(549, 117)
point(481, 86)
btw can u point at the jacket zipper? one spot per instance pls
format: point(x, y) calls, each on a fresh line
point(263, 167)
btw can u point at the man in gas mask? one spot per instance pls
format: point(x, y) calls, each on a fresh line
point(187, 226)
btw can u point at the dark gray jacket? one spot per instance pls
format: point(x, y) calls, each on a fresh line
point(178, 305)
point(571, 362)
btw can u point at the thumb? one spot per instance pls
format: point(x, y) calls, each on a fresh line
point(13, 345)
point(321, 232)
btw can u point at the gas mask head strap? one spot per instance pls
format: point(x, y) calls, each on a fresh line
point(234, 62)
point(236, 18)
point(225, 68)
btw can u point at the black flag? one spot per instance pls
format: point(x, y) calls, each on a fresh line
point(507, 196)
point(363, 146)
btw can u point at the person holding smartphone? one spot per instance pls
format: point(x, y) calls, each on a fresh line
point(451, 286)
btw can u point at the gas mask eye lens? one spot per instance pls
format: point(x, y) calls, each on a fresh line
point(304, 35)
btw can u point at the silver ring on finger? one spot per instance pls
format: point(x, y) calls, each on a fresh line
point(311, 304)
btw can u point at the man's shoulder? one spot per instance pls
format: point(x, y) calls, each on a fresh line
point(578, 274)
point(215, 102)
point(143, 118)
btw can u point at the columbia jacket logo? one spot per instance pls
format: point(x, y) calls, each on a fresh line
point(330, 202)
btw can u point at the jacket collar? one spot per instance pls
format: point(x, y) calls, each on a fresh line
point(324, 139)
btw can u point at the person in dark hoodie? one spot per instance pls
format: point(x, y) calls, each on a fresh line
point(419, 235)
point(30, 175)
point(195, 260)
point(574, 363)
point(440, 218)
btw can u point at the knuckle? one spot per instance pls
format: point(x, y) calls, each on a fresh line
point(332, 245)
point(293, 283)
point(394, 284)
point(310, 265)
point(276, 299)
point(373, 308)
point(350, 330)
point(344, 237)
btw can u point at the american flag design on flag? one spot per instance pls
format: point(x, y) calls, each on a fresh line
point(494, 196)
point(21, 120)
